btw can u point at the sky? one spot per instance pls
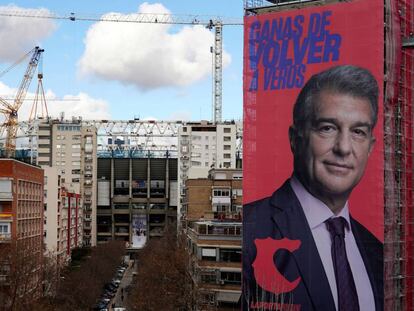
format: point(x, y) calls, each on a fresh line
point(122, 71)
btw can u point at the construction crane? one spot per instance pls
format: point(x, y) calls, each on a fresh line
point(158, 18)
point(10, 110)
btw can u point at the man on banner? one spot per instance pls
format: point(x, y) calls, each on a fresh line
point(302, 248)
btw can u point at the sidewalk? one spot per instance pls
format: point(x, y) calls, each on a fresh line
point(121, 294)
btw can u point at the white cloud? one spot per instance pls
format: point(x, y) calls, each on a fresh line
point(19, 34)
point(148, 56)
point(77, 105)
point(180, 115)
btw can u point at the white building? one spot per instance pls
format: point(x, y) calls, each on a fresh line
point(55, 215)
point(71, 147)
point(201, 146)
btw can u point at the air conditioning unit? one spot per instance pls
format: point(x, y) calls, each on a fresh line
point(234, 196)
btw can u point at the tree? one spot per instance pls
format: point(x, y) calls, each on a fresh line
point(162, 281)
point(82, 285)
point(22, 278)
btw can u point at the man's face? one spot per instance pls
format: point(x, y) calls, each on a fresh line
point(332, 151)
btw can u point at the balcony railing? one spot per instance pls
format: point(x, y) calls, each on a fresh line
point(5, 237)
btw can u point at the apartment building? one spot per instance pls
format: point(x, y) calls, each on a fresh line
point(219, 196)
point(73, 211)
point(136, 198)
point(71, 148)
point(55, 216)
point(212, 222)
point(202, 146)
point(215, 250)
point(21, 227)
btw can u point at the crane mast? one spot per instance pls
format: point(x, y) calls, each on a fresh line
point(11, 110)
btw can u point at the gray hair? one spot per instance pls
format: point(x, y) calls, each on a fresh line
point(348, 80)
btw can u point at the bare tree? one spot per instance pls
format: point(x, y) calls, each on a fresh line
point(162, 281)
point(81, 286)
point(21, 270)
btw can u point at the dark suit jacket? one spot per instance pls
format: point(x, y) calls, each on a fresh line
point(281, 216)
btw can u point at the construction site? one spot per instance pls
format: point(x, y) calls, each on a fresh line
point(103, 180)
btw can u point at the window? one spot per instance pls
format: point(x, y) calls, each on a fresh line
point(76, 163)
point(227, 155)
point(76, 154)
point(208, 254)
point(76, 146)
point(221, 192)
point(227, 130)
point(223, 208)
point(230, 255)
point(231, 277)
point(207, 277)
point(226, 147)
point(4, 229)
point(227, 138)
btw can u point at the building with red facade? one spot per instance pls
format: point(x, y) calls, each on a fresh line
point(21, 228)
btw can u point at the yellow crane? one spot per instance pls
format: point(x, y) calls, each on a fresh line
point(10, 110)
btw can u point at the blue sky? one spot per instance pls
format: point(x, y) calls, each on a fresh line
point(121, 72)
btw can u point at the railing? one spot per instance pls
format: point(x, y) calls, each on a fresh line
point(5, 237)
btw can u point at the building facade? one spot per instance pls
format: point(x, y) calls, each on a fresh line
point(71, 147)
point(21, 229)
point(55, 216)
point(202, 146)
point(136, 198)
point(212, 210)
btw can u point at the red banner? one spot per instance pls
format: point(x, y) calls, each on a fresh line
point(282, 51)
point(312, 148)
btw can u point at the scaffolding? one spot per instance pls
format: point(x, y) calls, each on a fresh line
point(398, 139)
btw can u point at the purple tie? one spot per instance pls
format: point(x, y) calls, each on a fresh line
point(347, 294)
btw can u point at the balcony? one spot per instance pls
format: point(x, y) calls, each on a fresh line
point(5, 237)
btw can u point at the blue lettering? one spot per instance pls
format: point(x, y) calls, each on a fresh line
point(287, 30)
point(325, 22)
point(315, 50)
point(284, 61)
point(276, 33)
point(254, 82)
point(299, 49)
point(314, 25)
point(332, 45)
point(271, 54)
point(297, 22)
